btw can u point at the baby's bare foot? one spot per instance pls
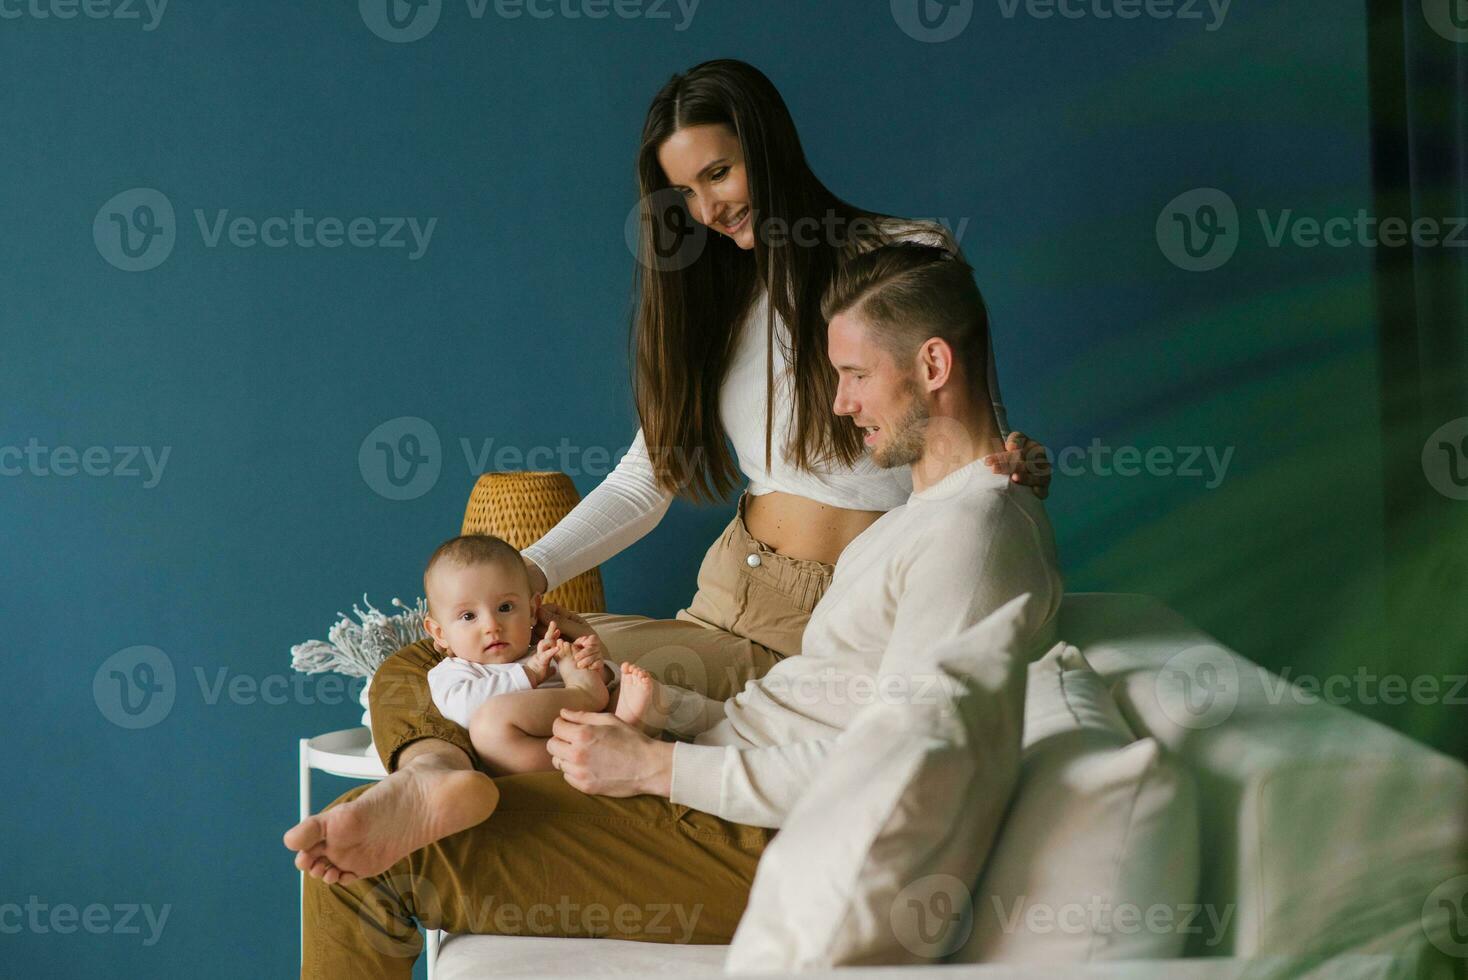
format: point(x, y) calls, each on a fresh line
point(591, 680)
point(408, 810)
point(639, 702)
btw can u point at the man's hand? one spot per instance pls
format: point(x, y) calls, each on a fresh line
point(599, 753)
point(1025, 461)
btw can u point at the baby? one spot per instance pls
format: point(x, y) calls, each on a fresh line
point(481, 612)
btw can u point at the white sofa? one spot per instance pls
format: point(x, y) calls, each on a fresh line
point(1323, 832)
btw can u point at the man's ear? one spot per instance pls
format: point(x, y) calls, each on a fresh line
point(935, 360)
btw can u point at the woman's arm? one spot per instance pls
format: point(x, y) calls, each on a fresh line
point(622, 509)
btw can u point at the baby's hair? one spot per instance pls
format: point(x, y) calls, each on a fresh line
point(477, 549)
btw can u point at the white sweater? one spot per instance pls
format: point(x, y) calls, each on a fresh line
point(925, 571)
point(629, 503)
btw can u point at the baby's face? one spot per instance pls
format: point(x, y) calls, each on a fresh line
point(482, 612)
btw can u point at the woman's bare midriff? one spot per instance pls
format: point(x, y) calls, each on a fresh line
point(799, 527)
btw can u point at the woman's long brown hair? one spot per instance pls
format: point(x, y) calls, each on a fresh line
point(691, 303)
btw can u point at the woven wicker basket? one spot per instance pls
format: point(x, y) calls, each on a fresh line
point(521, 507)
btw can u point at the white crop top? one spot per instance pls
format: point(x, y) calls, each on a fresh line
point(629, 503)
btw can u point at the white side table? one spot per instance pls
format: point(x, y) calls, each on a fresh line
point(347, 753)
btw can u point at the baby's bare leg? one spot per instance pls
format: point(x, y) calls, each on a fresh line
point(509, 731)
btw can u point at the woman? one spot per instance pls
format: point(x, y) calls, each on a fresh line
point(729, 343)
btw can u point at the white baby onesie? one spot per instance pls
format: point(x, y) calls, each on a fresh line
point(460, 686)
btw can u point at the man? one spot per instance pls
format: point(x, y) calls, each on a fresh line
point(633, 823)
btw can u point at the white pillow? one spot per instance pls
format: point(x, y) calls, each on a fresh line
point(873, 863)
point(1098, 857)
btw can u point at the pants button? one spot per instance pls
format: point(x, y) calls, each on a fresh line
point(752, 561)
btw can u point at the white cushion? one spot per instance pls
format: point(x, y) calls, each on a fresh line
point(1098, 857)
point(873, 863)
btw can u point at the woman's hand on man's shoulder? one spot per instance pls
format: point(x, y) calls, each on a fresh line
point(1025, 461)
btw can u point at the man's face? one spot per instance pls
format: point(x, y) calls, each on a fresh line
point(881, 396)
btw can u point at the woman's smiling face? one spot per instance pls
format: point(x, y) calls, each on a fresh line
point(706, 165)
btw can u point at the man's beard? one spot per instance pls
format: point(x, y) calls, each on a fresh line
point(905, 444)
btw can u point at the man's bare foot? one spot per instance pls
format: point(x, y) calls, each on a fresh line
point(420, 803)
point(591, 680)
point(640, 701)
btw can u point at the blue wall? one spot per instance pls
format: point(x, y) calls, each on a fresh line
point(1055, 144)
